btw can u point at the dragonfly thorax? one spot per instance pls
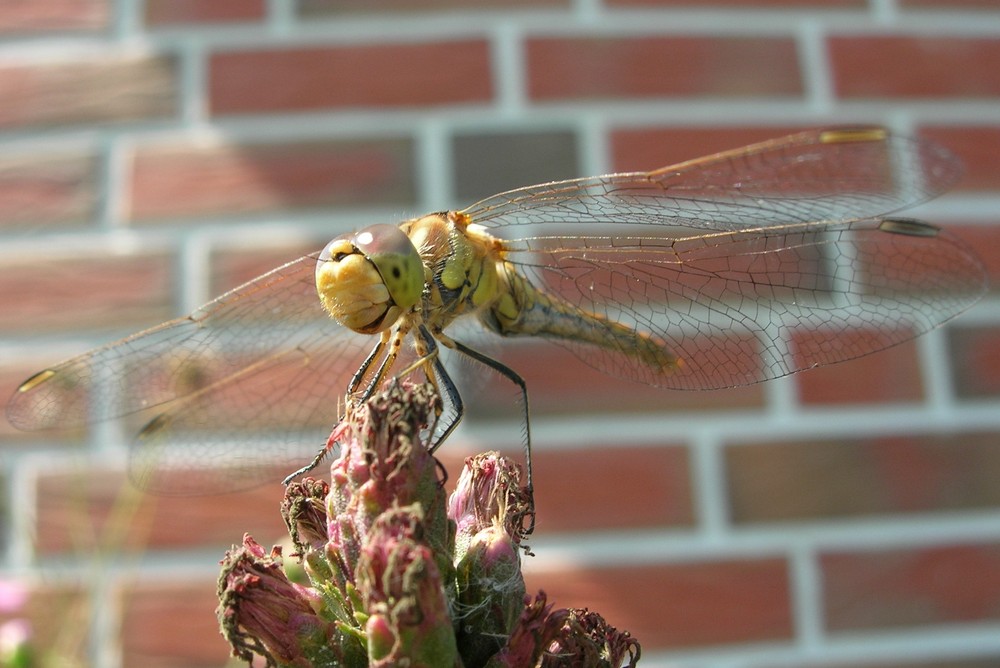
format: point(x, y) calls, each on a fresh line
point(367, 280)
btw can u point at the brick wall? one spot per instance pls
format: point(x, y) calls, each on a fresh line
point(157, 153)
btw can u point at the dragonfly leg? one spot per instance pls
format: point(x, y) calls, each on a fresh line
point(438, 376)
point(310, 466)
point(395, 341)
point(362, 371)
point(515, 378)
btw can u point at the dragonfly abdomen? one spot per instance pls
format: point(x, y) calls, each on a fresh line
point(522, 309)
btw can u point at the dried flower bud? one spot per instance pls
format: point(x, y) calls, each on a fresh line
point(565, 638)
point(614, 647)
point(490, 594)
point(384, 463)
point(304, 512)
point(487, 506)
point(536, 629)
point(261, 612)
point(489, 493)
point(404, 596)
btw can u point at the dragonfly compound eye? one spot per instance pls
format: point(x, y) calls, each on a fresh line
point(368, 279)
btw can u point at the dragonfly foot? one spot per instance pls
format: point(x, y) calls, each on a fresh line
point(308, 467)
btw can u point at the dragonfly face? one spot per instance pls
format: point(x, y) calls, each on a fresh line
point(699, 275)
point(368, 279)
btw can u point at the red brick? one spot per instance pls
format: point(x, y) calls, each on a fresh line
point(559, 384)
point(891, 375)
point(100, 505)
point(746, 4)
point(911, 587)
point(626, 488)
point(975, 360)
point(232, 268)
point(385, 75)
point(610, 68)
point(831, 479)
point(53, 15)
point(281, 389)
point(636, 149)
point(179, 12)
point(679, 604)
point(889, 66)
point(333, 8)
point(171, 624)
point(984, 240)
point(234, 179)
point(88, 91)
point(98, 291)
point(42, 192)
point(975, 146)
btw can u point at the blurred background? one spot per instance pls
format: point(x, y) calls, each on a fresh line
point(154, 154)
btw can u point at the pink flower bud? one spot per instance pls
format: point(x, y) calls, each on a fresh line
point(384, 463)
point(489, 493)
point(304, 511)
point(402, 590)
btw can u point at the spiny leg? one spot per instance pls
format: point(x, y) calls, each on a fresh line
point(395, 341)
point(516, 379)
point(362, 371)
point(311, 465)
point(441, 380)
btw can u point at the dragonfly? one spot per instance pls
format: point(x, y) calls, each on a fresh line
point(699, 275)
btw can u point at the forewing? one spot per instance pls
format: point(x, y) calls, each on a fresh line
point(174, 359)
point(260, 362)
point(749, 305)
point(255, 426)
point(821, 175)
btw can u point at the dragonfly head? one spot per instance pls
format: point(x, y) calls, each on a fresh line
point(367, 279)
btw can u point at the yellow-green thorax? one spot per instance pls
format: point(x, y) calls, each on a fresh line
point(461, 266)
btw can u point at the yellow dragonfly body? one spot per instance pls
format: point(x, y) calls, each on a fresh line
point(694, 276)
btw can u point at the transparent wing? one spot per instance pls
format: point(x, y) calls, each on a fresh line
point(745, 306)
point(807, 177)
point(749, 264)
point(721, 259)
point(238, 382)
